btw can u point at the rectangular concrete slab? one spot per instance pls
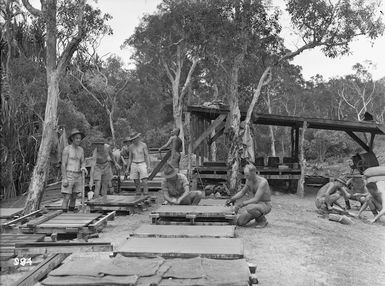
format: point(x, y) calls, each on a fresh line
point(9, 212)
point(199, 211)
point(212, 202)
point(153, 230)
point(115, 200)
point(218, 248)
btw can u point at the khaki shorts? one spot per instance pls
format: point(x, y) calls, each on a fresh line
point(138, 171)
point(74, 183)
point(103, 172)
point(261, 207)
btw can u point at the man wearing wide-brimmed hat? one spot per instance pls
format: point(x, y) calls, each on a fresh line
point(138, 162)
point(330, 193)
point(101, 170)
point(176, 189)
point(73, 164)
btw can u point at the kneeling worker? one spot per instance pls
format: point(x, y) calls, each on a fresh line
point(176, 188)
point(330, 193)
point(258, 206)
point(375, 200)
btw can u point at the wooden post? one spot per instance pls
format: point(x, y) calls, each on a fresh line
point(292, 142)
point(296, 143)
point(301, 183)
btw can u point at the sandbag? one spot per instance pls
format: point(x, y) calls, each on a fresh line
point(375, 171)
point(375, 179)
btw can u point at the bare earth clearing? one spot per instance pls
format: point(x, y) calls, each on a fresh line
point(297, 248)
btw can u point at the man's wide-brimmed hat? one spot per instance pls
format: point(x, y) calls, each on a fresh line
point(99, 141)
point(169, 171)
point(342, 181)
point(134, 136)
point(74, 132)
point(127, 139)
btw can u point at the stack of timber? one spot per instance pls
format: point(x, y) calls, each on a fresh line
point(57, 222)
point(7, 248)
point(13, 222)
point(177, 214)
point(121, 203)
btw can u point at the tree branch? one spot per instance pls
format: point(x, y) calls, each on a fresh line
point(88, 91)
point(35, 12)
point(188, 79)
point(167, 71)
point(74, 43)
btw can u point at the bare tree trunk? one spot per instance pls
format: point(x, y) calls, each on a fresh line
point(232, 127)
point(39, 176)
point(271, 128)
point(112, 128)
point(55, 68)
point(213, 148)
point(301, 182)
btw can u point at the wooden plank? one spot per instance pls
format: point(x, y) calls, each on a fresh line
point(208, 131)
point(10, 212)
point(24, 249)
point(212, 202)
point(41, 270)
point(199, 211)
point(104, 220)
point(22, 218)
point(218, 133)
point(117, 200)
point(224, 248)
point(159, 166)
point(358, 140)
point(44, 218)
point(184, 231)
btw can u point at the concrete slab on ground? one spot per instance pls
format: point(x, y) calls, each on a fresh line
point(218, 248)
point(151, 230)
point(9, 212)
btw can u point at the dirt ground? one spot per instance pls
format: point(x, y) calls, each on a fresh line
point(298, 247)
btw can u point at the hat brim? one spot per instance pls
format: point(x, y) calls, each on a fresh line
point(134, 137)
point(171, 175)
point(342, 182)
point(72, 135)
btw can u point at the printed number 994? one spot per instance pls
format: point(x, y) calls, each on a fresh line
point(22, 261)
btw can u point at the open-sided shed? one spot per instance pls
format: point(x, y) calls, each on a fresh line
point(206, 121)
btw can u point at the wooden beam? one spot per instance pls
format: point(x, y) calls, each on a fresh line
point(22, 218)
point(296, 144)
point(218, 133)
point(208, 131)
point(372, 142)
point(159, 166)
point(44, 218)
point(292, 142)
point(358, 140)
point(41, 270)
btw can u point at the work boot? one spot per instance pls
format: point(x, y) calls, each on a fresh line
point(261, 222)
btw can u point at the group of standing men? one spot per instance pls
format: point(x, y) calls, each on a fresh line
point(135, 158)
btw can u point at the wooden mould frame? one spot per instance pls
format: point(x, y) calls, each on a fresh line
point(129, 207)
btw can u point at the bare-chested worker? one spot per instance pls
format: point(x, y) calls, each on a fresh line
point(258, 206)
point(125, 152)
point(101, 171)
point(176, 147)
point(73, 164)
point(329, 195)
point(138, 162)
point(375, 200)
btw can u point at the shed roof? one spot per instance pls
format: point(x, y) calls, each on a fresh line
point(293, 121)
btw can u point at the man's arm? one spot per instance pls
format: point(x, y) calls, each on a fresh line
point(237, 196)
point(64, 162)
point(83, 163)
point(147, 157)
point(93, 163)
point(129, 160)
point(257, 196)
point(363, 207)
point(186, 188)
point(166, 195)
point(109, 149)
point(167, 144)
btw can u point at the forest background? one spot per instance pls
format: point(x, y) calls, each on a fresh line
point(100, 96)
